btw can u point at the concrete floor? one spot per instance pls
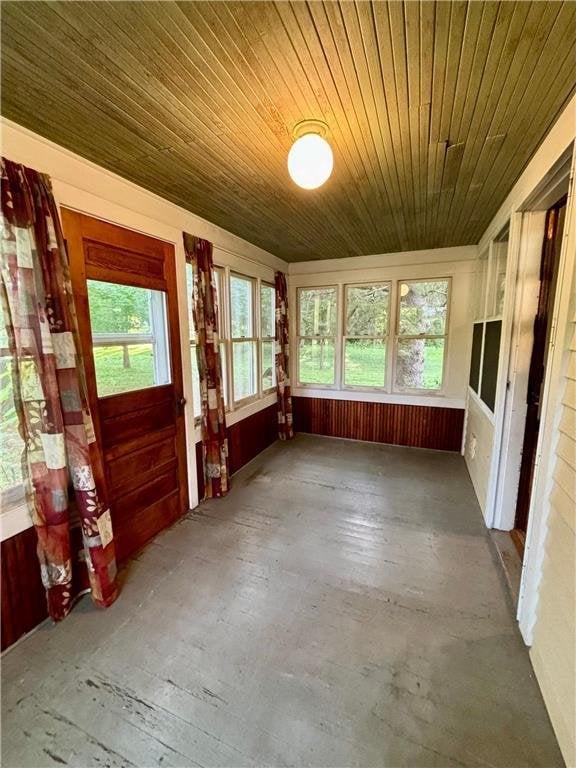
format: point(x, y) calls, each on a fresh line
point(341, 607)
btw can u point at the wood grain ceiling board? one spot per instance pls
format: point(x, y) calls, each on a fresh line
point(433, 108)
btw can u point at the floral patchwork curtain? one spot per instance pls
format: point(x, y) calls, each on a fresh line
point(214, 440)
point(65, 481)
point(285, 429)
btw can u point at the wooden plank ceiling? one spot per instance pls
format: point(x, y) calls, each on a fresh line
point(433, 108)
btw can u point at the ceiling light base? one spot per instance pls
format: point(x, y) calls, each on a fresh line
point(309, 126)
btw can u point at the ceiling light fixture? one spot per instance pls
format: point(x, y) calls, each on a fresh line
point(310, 160)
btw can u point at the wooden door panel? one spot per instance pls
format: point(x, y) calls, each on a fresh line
point(114, 406)
point(130, 535)
point(130, 426)
point(112, 236)
point(141, 432)
point(143, 270)
point(124, 448)
point(147, 493)
point(127, 470)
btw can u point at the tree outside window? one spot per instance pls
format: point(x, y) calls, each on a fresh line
point(317, 335)
point(422, 316)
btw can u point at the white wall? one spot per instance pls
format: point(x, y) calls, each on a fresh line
point(90, 189)
point(456, 263)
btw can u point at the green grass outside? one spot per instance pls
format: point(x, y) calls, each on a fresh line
point(364, 365)
point(111, 375)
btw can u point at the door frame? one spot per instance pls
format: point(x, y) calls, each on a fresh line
point(548, 436)
point(522, 288)
point(508, 453)
point(112, 213)
point(523, 284)
point(80, 228)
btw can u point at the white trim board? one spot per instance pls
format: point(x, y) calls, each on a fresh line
point(380, 261)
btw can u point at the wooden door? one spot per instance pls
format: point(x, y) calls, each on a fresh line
point(125, 290)
point(548, 271)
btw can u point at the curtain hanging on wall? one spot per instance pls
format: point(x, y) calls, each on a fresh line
point(61, 463)
point(285, 430)
point(205, 310)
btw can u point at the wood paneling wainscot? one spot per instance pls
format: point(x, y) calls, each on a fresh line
point(418, 426)
point(23, 596)
point(246, 439)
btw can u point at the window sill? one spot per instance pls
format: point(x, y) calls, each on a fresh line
point(244, 411)
point(14, 519)
point(435, 399)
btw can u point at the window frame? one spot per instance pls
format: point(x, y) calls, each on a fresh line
point(337, 288)
point(157, 338)
point(262, 339)
point(223, 333)
point(386, 338)
point(233, 339)
point(422, 336)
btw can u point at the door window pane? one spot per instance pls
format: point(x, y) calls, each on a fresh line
point(419, 364)
point(316, 361)
point(423, 308)
point(129, 337)
point(317, 307)
point(122, 368)
point(244, 366)
point(241, 289)
point(364, 362)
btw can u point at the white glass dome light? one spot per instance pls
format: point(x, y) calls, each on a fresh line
point(310, 160)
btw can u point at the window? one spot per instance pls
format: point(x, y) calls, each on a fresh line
point(316, 335)
point(487, 329)
point(196, 396)
point(497, 280)
point(422, 321)
point(129, 337)
point(267, 336)
point(365, 334)
point(11, 444)
point(361, 362)
point(243, 337)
